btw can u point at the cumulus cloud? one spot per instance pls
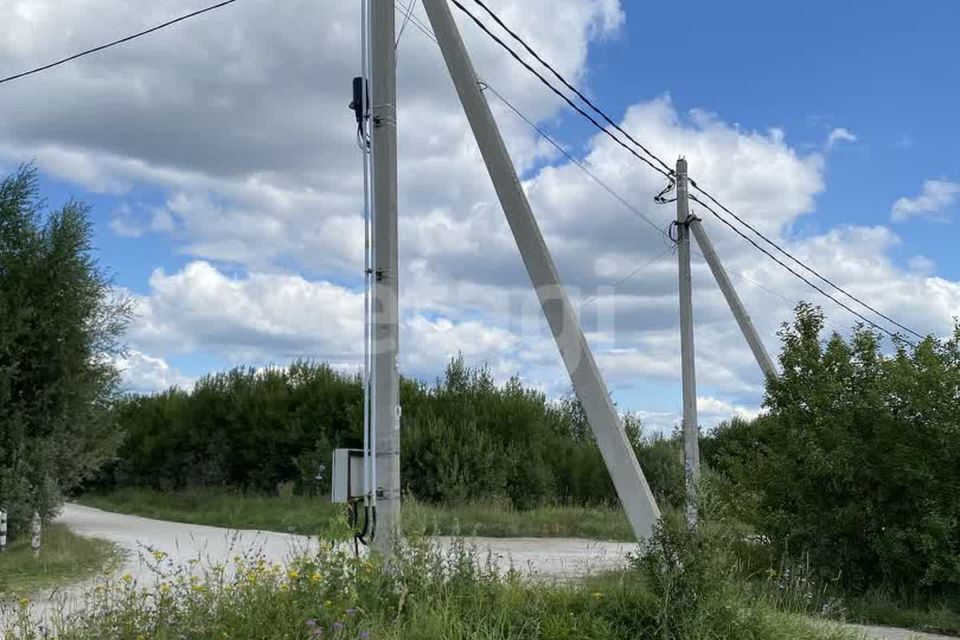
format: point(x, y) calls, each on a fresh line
point(239, 123)
point(935, 197)
point(840, 135)
point(143, 373)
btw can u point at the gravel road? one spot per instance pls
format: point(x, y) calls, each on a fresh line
point(556, 558)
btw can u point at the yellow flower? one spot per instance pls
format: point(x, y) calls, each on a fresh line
point(597, 594)
point(293, 574)
point(164, 588)
point(127, 578)
point(315, 577)
point(199, 588)
point(24, 602)
point(159, 555)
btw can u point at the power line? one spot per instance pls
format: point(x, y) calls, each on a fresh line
point(514, 54)
point(570, 86)
point(406, 20)
point(631, 275)
point(116, 42)
point(425, 30)
point(606, 187)
point(559, 93)
point(798, 275)
point(800, 262)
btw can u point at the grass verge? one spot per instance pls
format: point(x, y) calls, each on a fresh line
point(422, 594)
point(878, 608)
point(64, 557)
point(308, 515)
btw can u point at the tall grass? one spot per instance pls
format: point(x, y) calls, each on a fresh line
point(421, 594)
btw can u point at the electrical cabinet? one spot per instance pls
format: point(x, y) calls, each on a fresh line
point(347, 479)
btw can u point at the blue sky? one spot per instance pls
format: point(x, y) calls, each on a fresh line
point(217, 157)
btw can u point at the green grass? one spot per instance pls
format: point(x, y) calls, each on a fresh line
point(494, 519)
point(308, 515)
point(422, 594)
point(221, 508)
point(64, 557)
point(878, 608)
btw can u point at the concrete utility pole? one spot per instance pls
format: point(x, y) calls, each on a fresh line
point(635, 495)
point(733, 300)
point(691, 427)
point(386, 334)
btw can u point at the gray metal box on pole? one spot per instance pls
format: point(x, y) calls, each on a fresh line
point(638, 502)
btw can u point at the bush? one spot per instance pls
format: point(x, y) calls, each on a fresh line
point(856, 461)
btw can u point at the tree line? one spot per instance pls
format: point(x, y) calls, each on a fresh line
point(464, 437)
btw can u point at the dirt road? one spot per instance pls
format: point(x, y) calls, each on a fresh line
point(560, 558)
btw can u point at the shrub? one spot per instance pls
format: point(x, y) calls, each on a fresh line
point(856, 461)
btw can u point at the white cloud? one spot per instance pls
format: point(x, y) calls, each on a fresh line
point(142, 373)
point(244, 133)
point(935, 196)
point(840, 135)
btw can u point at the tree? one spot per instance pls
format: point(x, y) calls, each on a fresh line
point(856, 461)
point(59, 338)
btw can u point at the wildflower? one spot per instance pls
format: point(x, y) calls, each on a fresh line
point(24, 602)
point(337, 626)
point(597, 595)
point(352, 611)
point(293, 574)
point(164, 588)
point(312, 623)
point(316, 577)
point(127, 578)
point(159, 555)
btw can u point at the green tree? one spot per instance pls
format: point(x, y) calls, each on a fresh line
point(856, 462)
point(59, 337)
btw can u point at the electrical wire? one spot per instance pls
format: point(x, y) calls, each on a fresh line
point(801, 263)
point(559, 93)
point(569, 156)
point(630, 276)
point(736, 230)
point(428, 33)
point(570, 86)
point(116, 42)
point(406, 20)
point(670, 172)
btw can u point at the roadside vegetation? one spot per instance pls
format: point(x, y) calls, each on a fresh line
point(309, 514)
point(848, 479)
point(679, 589)
point(65, 557)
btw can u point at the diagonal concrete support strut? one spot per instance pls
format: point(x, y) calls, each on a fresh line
point(628, 478)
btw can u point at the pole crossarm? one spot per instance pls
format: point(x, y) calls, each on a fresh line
point(628, 479)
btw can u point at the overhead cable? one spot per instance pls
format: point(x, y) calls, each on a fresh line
point(115, 42)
